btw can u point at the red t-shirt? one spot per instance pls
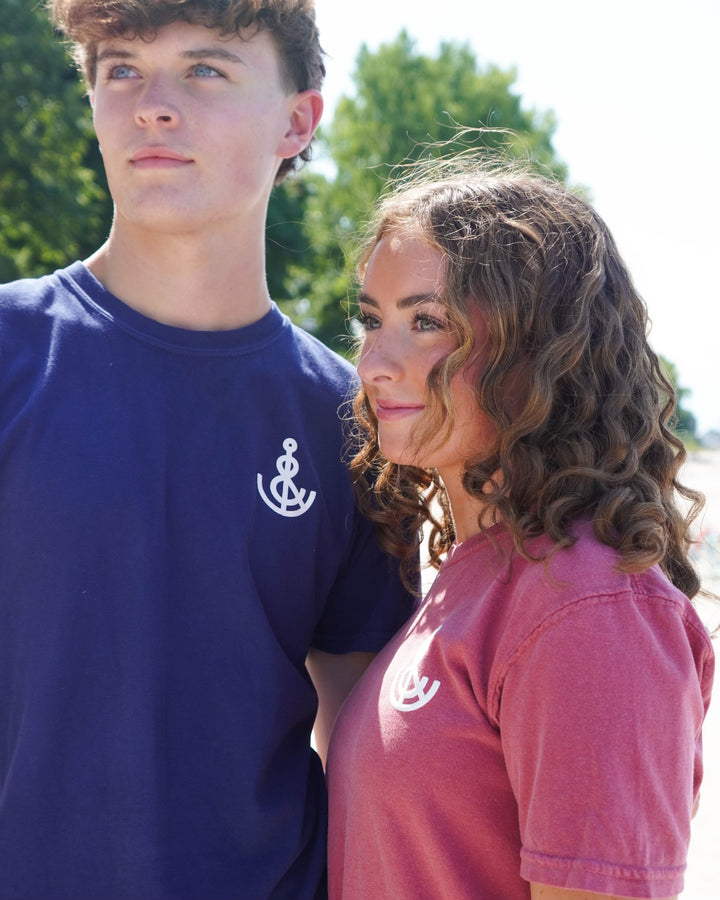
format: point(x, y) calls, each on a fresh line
point(528, 724)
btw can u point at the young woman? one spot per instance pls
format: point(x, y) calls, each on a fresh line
point(535, 729)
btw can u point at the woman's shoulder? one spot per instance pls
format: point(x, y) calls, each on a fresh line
point(584, 585)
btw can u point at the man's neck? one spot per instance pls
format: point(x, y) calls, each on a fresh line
point(203, 285)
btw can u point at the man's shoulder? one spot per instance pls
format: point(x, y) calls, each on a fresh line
point(322, 363)
point(314, 347)
point(24, 288)
point(32, 293)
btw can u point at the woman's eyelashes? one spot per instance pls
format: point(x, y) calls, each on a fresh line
point(422, 321)
point(418, 321)
point(366, 321)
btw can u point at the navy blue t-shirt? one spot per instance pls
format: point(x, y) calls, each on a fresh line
point(177, 529)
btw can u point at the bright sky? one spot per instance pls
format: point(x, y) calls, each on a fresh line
point(634, 86)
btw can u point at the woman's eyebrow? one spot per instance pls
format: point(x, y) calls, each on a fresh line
point(405, 302)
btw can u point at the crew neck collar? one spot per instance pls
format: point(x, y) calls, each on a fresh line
point(100, 301)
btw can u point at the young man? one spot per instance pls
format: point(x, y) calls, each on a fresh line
point(178, 530)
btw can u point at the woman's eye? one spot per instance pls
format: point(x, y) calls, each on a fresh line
point(366, 321)
point(428, 323)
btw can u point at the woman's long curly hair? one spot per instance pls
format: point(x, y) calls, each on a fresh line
point(579, 399)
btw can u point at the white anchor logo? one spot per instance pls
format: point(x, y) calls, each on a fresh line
point(287, 500)
point(408, 691)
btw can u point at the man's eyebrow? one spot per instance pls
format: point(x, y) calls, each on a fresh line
point(213, 53)
point(114, 53)
point(219, 53)
point(405, 303)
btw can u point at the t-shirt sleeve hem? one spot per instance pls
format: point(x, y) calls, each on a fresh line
point(601, 877)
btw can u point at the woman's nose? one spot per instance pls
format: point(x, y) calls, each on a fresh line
point(380, 358)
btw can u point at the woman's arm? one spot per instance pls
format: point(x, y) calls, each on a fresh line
point(334, 676)
point(546, 892)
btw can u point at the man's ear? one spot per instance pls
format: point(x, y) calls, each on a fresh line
point(305, 115)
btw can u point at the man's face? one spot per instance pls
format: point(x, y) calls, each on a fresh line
point(193, 126)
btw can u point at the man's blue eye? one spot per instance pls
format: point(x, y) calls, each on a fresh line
point(205, 71)
point(122, 72)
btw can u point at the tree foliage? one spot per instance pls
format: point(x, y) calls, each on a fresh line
point(407, 106)
point(53, 204)
point(289, 253)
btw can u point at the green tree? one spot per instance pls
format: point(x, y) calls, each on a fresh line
point(53, 204)
point(405, 105)
point(290, 256)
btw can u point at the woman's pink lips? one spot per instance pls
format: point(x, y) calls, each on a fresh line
point(390, 412)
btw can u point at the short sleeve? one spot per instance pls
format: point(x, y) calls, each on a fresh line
point(367, 603)
point(601, 714)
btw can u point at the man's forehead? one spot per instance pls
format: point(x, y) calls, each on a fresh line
point(185, 38)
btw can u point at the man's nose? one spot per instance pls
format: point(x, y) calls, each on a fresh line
point(158, 102)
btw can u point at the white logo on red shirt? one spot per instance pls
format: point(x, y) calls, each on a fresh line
point(409, 690)
point(287, 499)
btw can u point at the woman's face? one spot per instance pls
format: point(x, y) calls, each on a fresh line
point(407, 332)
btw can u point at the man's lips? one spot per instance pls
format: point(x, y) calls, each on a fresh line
point(151, 157)
point(392, 410)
